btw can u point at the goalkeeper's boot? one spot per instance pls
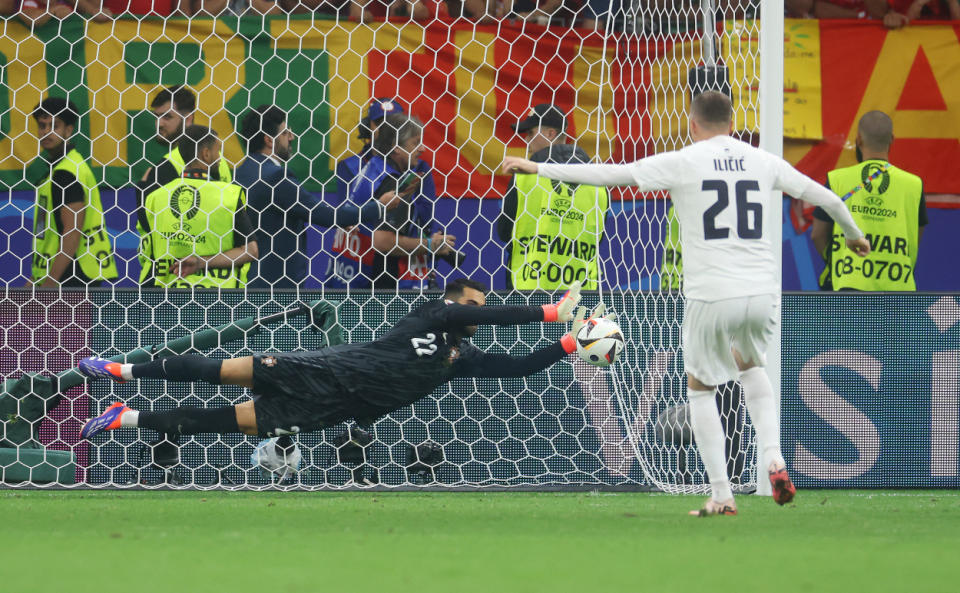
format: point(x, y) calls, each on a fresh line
point(109, 420)
point(783, 488)
point(716, 508)
point(96, 368)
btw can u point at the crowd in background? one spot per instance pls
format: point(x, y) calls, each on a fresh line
point(666, 16)
point(202, 224)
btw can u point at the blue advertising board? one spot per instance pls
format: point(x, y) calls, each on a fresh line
point(870, 389)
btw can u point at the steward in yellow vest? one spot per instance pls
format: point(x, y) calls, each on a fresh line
point(174, 108)
point(887, 203)
point(71, 246)
point(552, 230)
point(671, 271)
point(557, 233)
point(195, 232)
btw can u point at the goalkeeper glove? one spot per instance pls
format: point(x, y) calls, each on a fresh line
point(569, 341)
point(562, 310)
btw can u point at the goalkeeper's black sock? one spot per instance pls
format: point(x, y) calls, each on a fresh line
point(188, 367)
point(190, 420)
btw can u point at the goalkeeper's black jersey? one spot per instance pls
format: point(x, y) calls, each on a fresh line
point(423, 351)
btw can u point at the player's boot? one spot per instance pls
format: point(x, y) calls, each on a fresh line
point(783, 488)
point(96, 368)
point(109, 420)
point(716, 508)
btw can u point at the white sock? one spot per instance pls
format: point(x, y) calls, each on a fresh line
point(708, 432)
point(129, 419)
point(762, 406)
point(126, 371)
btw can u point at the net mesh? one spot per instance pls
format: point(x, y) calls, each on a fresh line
point(623, 81)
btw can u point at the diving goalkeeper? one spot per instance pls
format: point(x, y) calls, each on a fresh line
point(307, 391)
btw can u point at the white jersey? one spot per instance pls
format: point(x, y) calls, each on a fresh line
point(722, 192)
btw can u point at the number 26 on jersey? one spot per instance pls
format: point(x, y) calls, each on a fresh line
point(749, 214)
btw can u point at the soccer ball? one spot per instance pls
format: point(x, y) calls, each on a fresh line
point(275, 460)
point(600, 342)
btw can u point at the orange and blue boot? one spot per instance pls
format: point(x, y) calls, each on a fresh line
point(95, 367)
point(109, 420)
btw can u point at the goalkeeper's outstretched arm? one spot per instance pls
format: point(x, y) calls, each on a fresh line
point(482, 364)
point(504, 365)
point(455, 315)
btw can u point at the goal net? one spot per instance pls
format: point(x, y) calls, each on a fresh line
point(623, 82)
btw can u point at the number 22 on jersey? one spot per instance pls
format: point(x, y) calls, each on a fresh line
point(426, 346)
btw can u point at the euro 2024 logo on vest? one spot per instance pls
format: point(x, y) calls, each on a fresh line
point(186, 198)
point(566, 190)
point(560, 202)
point(868, 171)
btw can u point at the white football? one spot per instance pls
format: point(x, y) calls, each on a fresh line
point(600, 342)
point(274, 461)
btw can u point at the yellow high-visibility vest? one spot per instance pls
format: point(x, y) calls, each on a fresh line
point(886, 210)
point(557, 233)
point(191, 217)
point(94, 253)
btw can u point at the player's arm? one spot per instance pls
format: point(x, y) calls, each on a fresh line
point(657, 172)
point(798, 185)
point(147, 185)
point(590, 174)
point(922, 218)
point(388, 242)
point(503, 365)
point(820, 235)
point(230, 258)
point(508, 217)
point(482, 364)
point(71, 218)
point(454, 315)
point(37, 16)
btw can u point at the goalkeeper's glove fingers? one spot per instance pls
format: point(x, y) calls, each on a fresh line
point(563, 309)
point(598, 313)
point(579, 320)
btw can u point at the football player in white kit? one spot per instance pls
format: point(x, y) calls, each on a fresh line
point(722, 191)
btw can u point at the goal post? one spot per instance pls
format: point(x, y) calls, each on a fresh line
point(771, 140)
point(624, 88)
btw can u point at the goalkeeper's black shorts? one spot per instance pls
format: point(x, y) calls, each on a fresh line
point(296, 392)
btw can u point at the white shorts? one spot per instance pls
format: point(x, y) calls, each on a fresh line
point(712, 329)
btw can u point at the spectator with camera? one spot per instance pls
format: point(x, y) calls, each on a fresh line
point(347, 169)
point(400, 253)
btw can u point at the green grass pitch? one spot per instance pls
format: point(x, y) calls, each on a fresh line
point(207, 542)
